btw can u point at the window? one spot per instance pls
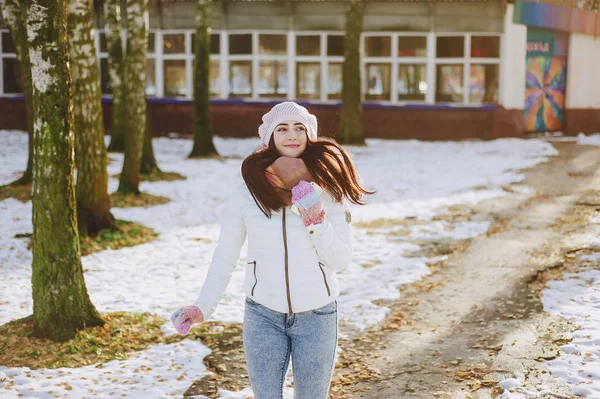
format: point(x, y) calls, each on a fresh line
point(412, 46)
point(151, 44)
point(174, 43)
point(103, 43)
point(215, 78)
point(412, 83)
point(378, 46)
point(483, 83)
point(485, 47)
point(335, 45)
point(334, 81)
point(450, 46)
point(449, 84)
point(12, 76)
point(151, 89)
point(378, 82)
point(272, 44)
point(273, 79)
point(174, 76)
point(105, 87)
point(240, 44)
point(8, 46)
point(308, 80)
point(308, 45)
point(467, 69)
point(240, 78)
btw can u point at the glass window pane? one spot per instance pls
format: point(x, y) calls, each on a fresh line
point(214, 44)
point(483, 84)
point(334, 81)
point(378, 82)
point(104, 77)
point(151, 43)
point(412, 46)
point(273, 79)
point(240, 75)
point(308, 45)
point(103, 46)
point(335, 45)
point(174, 76)
point(308, 80)
point(378, 46)
point(240, 44)
point(450, 47)
point(174, 44)
point(12, 76)
point(449, 84)
point(412, 82)
point(215, 78)
point(485, 46)
point(8, 46)
point(272, 44)
point(151, 90)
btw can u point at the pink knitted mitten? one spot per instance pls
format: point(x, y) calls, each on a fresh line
point(307, 197)
point(183, 318)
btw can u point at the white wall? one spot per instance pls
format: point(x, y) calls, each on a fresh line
point(512, 68)
point(583, 72)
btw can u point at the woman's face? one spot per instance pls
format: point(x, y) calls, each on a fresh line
point(290, 138)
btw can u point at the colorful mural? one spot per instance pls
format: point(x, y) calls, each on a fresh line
point(545, 93)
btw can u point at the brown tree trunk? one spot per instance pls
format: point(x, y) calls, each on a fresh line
point(93, 203)
point(112, 25)
point(61, 304)
point(135, 96)
point(15, 18)
point(149, 165)
point(203, 136)
point(350, 128)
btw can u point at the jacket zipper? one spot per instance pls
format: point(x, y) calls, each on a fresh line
point(287, 276)
point(255, 279)
point(324, 279)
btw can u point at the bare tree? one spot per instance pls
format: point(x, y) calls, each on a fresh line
point(203, 136)
point(15, 17)
point(93, 203)
point(134, 96)
point(61, 304)
point(350, 128)
point(112, 26)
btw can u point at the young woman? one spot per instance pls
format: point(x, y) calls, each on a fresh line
point(294, 252)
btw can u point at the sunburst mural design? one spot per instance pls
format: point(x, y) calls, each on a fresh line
point(545, 93)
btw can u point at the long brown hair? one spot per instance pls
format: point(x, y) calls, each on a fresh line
point(330, 164)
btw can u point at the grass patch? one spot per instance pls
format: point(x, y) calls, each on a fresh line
point(124, 234)
point(122, 334)
point(20, 192)
point(144, 200)
point(157, 176)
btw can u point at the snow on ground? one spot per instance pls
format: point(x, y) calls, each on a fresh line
point(575, 298)
point(414, 179)
point(593, 139)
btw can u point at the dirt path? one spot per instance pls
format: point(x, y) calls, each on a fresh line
point(477, 319)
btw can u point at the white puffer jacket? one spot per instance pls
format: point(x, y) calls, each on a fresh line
point(291, 268)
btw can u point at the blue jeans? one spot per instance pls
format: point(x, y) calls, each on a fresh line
point(269, 339)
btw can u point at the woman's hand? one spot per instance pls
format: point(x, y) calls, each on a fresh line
point(183, 318)
point(307, 197)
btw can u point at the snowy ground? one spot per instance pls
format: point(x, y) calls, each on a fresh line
point(413, 179)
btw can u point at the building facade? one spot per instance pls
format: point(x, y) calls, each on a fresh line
point(429, 70)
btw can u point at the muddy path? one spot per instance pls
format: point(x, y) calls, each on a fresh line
point(478, 318)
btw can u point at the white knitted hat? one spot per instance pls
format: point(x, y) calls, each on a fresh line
point(286, 111)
